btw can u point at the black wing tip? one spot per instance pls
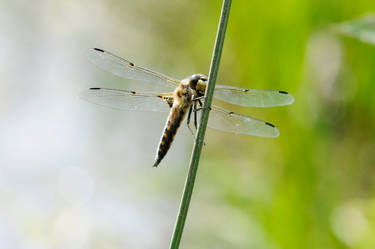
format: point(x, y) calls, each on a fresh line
point(283, 92)
point(94, 88)
point(98, 49)
point(270, 124)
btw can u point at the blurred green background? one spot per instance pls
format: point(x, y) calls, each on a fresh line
point(75, 175)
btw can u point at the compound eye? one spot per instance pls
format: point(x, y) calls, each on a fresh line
point(193, 83)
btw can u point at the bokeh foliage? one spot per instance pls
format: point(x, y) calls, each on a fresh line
point(313, 187)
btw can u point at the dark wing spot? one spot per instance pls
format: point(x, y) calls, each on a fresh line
point(131, 64)
point(230, 113)
point(98, 49)
point(270, 124)
point(283, 92)
point(94, 88)
point(245, 90)
point(132, 92)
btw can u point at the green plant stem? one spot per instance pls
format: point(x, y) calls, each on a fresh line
point(199, 141)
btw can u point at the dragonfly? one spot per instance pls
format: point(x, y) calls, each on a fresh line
point(182, 98)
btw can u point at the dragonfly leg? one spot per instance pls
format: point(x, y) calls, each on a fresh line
point(201, 108)
point(188, 121)
point(199, 98)
point(189, 115)
point(196, 118)
point(195, 115)
point(195, 121)
point(200, 102)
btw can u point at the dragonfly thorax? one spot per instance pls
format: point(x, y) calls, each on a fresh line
point(183, 94)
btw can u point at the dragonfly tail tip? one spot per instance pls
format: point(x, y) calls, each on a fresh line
point(156, 163)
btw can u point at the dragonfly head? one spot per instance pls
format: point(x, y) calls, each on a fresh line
point(196, 79)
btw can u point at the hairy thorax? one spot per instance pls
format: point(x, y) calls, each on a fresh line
point(183, 96)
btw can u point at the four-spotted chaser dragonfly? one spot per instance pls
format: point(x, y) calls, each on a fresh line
point(185, 98)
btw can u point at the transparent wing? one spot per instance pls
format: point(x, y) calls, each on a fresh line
point(223, 120)
point(127, 69)
point(251, 97)
point(127, 100)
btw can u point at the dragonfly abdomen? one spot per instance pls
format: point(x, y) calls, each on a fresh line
point(182, 100)
point(175, 119)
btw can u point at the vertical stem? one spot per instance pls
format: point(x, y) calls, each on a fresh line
point(194, 161)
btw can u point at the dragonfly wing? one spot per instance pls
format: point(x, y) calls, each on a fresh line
point(223, 120)
point(127, 69)
point(128, 100)
point(251, 97)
